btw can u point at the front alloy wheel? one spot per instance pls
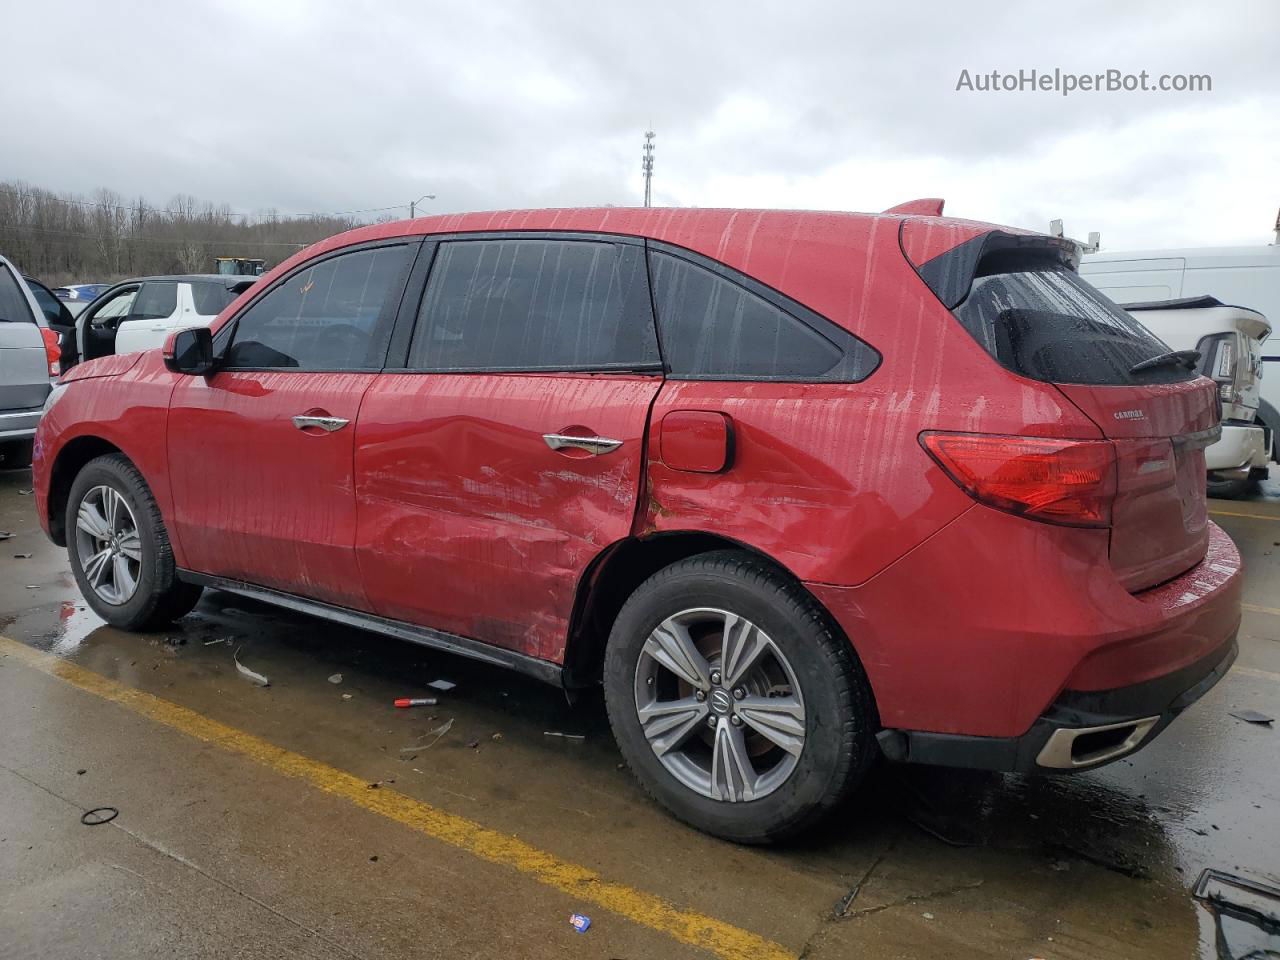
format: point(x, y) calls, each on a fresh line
point(108, 545)
point(720, 705)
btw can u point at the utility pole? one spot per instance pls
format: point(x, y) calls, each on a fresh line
point(646, 164)
point(413, 206)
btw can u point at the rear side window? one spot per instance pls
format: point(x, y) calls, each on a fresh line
point(332, 316)
point(210, 298)
point(515, 304)
point(155, 301)
point(13, 305)
point(714, 328)
point(1039, 319)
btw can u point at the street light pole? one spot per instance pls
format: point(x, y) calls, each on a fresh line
point(413, 206)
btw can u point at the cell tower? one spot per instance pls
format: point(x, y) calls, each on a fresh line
point(646, 164)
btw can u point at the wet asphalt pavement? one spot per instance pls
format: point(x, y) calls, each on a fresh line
point(250, 824)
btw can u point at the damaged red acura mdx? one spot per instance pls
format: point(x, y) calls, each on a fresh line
point(800, 489)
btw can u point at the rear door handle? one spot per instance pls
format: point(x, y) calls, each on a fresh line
point(593, 445)
point(328, 424)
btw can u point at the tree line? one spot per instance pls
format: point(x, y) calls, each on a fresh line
point(69, 238)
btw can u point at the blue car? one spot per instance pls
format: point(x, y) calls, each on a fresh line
point(84, 292)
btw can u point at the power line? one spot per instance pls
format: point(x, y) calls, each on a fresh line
point(128, 238)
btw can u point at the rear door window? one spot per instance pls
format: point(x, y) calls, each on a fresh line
point(713, 327)
point(155, 301)
point(13, 305)
point(532, 304)
point(335, 315)
point(1039, 319)
point(210, 298)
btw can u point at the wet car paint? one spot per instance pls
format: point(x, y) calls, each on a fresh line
point(1100, 862)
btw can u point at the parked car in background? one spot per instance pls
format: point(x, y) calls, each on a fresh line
point(1246, 275)
point(80, 292)
point(29, 359)
point(138, 314)
point(1229, 340)
point(797, 488)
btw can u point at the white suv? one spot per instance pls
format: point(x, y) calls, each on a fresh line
point(138, 314)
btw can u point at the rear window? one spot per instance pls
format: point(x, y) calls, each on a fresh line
point(13, 305)
point(1041, 320)
point(210, 298)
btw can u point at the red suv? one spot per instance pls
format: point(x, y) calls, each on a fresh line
point(798, 488)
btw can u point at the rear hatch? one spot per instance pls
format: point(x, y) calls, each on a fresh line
point(1029, 309)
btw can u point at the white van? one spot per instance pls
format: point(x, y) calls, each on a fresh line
point(1229, 340)
point(1249, 276)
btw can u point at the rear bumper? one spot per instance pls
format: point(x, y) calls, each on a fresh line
point(1240, 448)
point(1080, 731)
point(19, 424)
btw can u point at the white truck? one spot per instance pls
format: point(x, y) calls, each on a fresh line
point(1245, 276)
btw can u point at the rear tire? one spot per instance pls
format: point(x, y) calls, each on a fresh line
point(1231, 489)
point(787, 697)
point(119, 548)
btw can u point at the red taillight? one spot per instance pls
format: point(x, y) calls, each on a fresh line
point(52, 350)
point(1070, 482)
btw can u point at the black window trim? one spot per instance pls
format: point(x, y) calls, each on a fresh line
point(821, 326)
point(224, 336)
point(406, 322)
point(18, 281)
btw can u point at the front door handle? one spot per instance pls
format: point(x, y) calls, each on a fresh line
point(593, 445)
point(328, 424)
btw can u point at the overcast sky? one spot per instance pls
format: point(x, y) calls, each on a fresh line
point(341, 106)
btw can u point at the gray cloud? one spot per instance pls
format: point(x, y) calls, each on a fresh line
point(310, 107)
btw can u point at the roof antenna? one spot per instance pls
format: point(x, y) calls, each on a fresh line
point(646, 164)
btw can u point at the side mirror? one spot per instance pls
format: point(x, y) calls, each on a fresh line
point(189, 351)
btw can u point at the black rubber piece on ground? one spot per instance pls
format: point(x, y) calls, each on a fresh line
point(840, 713)
point(160, 597)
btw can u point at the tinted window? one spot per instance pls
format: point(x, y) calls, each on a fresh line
point(326, 317)
point(13, 305)
point(155, 301)
point(713, 327)
point(535, 304)
point(210, 298)
point(50, 305)
point(1039, 319)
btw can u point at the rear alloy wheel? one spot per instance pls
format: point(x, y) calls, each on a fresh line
point(734, 700)
point(119, 549)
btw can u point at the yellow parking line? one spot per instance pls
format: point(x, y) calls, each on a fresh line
point(583, 884)
point(1235, 513)
point(1257, 609)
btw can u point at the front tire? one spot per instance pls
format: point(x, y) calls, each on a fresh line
point(119, 548)
point(735, 701)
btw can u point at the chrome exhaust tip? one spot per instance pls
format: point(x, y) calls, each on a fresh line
point(1071, 748)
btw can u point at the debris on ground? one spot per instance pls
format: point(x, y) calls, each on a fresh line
point(346, 696)
point(377, 783)
point(374, 858)
point(473, 744)
point(1252, 716)
point(175, 641)
point(33, 586)
point(210, 643)
point(98, 816)
point(336, 678)
point(22, 556)
point(563, 736)
point(5, 535)
point(444, 686)
point(410, 701)
point(927, 916)
point(496, 736)
point(251, 674)
point(435, 734)
point(81, 773)
point(580, 922)
point(24, 493)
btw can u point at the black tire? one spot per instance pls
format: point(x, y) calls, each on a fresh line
point(160, 597)
point(15, 454)
point(840, 719)
point(1232, 489)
